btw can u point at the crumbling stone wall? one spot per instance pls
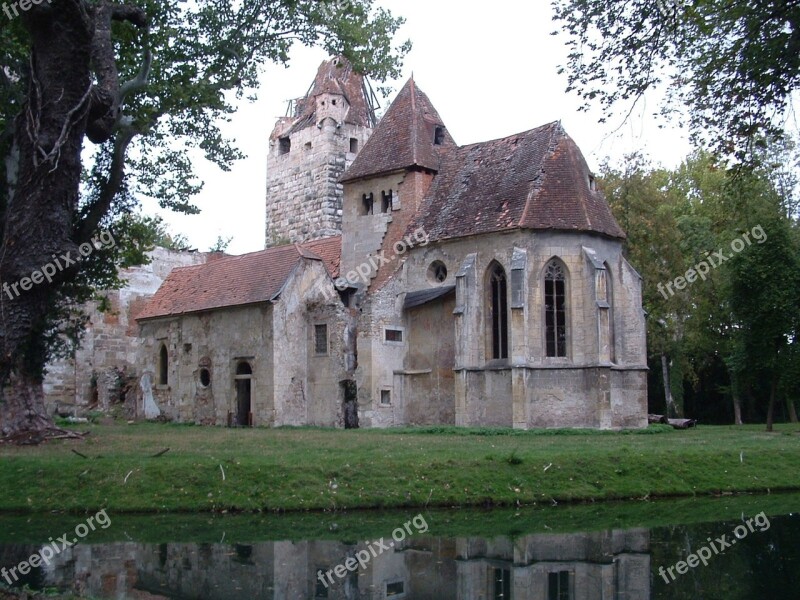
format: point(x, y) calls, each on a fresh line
point(104, 367)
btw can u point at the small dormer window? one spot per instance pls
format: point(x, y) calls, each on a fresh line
point(368, 200)
point(284, 146)
point(438, 135)
point(592, 183)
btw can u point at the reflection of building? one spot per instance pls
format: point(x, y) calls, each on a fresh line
point(581, 566)
point(585, 566)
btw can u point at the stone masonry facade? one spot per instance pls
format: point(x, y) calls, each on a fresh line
point(310, 151)
point(409, 281)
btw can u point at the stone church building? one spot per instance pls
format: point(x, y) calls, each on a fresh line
point(407, 281)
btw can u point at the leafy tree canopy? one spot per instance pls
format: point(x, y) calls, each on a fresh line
point(168, 73)
point(732, 64)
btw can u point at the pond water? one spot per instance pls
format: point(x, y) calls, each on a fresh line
point(743, 547)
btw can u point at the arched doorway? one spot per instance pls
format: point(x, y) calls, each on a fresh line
point(243, 379)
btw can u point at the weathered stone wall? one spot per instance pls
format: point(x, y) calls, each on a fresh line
point(290, 384)
point(426, 383)
point(219, 340)
point(363, 234)
point(599, 384)
point(304, 196)
point(308, 387)
point(106, 361)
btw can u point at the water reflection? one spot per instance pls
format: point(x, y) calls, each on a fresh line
point(613, 564)
point(621, 563)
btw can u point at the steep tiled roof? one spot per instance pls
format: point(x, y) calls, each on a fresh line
point(404, 138)
point(335, 76)
point(537, 179)
point(236, 280)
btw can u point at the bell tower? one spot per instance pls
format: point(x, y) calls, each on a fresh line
point(309, 150)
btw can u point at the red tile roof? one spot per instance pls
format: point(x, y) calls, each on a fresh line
point(537, 179)
point(237, 280)
point(403, 139)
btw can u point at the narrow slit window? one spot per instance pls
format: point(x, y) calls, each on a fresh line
point(321, 339)
point(386, 201)
point(368, 201)
point(163, 365)
point(555, 304)
point(353, 145)
point(498, 309)
point(502, 584)
point(438, 136)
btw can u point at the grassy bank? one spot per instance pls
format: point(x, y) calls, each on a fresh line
point(215, 469)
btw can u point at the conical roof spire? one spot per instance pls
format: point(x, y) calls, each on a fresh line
point(407, 136)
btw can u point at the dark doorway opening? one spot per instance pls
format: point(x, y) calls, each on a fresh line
point(244, 409)
point(350, 404)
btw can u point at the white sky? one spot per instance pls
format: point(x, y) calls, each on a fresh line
point(490, 73)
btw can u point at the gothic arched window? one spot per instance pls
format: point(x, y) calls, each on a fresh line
point(555, 309)
point(497, 293)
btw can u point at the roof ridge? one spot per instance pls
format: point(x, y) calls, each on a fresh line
point(414, 136)
point(538, 182)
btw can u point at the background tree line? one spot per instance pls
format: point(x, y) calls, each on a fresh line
point(724, 349)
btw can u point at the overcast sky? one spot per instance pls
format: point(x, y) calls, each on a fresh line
point(489, 73)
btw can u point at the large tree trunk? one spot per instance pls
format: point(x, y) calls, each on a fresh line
point(792, 409)
point(773, 392)
point(42, 197)
point(24, 416)
point(72, 89)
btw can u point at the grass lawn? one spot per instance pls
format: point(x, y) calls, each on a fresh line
point(217, 469)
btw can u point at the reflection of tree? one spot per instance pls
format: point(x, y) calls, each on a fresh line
point(760, 565)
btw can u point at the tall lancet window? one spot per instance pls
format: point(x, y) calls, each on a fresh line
point(497, 293)
point(555, 307)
